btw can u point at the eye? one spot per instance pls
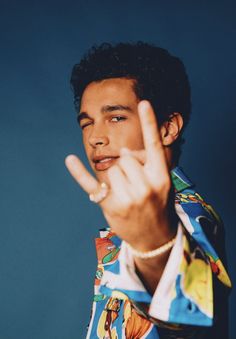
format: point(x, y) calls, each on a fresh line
point(118, 118)
point(85, 124)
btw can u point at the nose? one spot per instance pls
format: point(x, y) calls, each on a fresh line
point(98, 136)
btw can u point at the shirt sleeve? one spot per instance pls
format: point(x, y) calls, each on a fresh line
point(159, 304)
point(184, 293)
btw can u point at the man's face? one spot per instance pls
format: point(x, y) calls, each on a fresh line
point(109, 121)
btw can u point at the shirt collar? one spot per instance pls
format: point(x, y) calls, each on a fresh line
point(180, 180)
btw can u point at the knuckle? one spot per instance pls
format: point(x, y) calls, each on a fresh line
point(130, 204)
point(163, 185)
point(125, 210)
point(166, 184)
point(149, 192)
point(146, 194)
point(155, 143)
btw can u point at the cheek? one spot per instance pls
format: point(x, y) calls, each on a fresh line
point(134, 138)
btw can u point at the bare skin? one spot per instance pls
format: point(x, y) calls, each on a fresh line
point(140, 205)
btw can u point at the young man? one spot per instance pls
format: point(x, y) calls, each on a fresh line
point(158, 274)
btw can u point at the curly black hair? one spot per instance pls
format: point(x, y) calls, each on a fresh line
point(159, 77)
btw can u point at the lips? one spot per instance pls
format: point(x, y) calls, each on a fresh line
point(103, 162)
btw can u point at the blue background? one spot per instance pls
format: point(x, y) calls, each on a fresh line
point(47, 258)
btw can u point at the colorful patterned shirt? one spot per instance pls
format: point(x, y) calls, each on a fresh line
point(190, 300)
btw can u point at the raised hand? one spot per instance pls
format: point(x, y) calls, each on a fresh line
point(139, 204)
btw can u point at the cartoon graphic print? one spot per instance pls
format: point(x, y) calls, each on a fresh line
point(136, 326)
point(107, 318)
point(209, 222)
point(194, 197)
point(197, 278)
point(107, 253)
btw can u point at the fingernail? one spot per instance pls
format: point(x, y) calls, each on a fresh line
point(144, 105)
point(69, 159)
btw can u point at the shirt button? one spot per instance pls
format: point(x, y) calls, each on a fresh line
point(191, 307)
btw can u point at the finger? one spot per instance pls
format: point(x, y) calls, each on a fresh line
point(119, 185)
point(88, 182)
point(151, 135)
point(80, 174)
point(140, 155)
point(135, 175)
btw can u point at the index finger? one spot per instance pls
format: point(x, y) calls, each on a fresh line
point(155, 156)
point(81, 174)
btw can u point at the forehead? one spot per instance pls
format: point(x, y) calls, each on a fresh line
point(109, 91)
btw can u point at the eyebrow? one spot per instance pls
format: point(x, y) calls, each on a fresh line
point(105, 109)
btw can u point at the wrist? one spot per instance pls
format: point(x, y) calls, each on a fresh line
point(156, 236)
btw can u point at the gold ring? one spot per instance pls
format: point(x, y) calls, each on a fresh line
point(100, 195)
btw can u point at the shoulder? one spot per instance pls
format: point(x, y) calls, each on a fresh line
point(196, 212)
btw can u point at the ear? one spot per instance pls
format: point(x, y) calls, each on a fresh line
point(170, 129)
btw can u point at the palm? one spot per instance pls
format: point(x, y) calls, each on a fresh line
point(140, 185)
